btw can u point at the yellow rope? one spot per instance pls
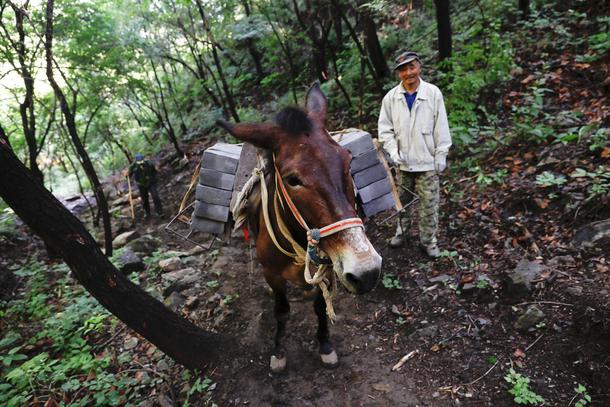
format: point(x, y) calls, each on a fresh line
point(324, 276)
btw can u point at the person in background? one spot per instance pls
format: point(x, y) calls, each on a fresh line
point(414, 132)
point(145, 175)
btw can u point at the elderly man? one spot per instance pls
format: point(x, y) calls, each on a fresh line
point(414, 131)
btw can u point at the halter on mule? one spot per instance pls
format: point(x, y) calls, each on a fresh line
point(299, 255)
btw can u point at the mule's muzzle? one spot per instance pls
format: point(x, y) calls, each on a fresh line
point(362, 282)
point(356, 262)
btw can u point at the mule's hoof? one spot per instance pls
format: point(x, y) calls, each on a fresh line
point(330, 360)
point(277, 365)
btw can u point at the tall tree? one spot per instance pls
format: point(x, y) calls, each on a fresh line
point(69, 117)
point(26, 59)
point(48, 218)
point(443, 24)
point(524, 8)
point(371, 41)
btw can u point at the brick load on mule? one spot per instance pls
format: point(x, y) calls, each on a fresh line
point(226, 168)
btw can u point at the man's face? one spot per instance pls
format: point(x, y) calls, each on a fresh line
point(409, 73)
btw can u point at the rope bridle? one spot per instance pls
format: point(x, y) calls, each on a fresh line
point(324, 276)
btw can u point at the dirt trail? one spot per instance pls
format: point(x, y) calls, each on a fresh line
point(363, 377)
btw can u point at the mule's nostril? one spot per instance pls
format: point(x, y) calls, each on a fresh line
point(362, 283)
point(353, 280)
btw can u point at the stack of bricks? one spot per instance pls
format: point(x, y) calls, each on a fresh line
point(216, 180)
point(219, 180)
point(368, 172)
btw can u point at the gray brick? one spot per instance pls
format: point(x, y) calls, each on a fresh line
point(363, 161)
point(207, 226)
point(357, 142)
point(247, 162)
point(219, 160)
point(216, 179)
point(375, 190)
point(210, 211)
point(231, 149)
point(213, 195)
point(377, 205)
point(369, 175)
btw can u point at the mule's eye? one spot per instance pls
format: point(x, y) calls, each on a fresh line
point(293, 181)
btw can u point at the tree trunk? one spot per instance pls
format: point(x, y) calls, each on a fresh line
point(48, 218)
point(256, 56)
point(373, 47)
point(170, 129)
point(363, 56)
point(26, 109)
point(213, 45)
point(3, 136)
point(443, 24)
point(524, 8)
point(102, 204)
point(288, 54)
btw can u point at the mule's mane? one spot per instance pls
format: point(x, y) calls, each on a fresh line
point(294, 121)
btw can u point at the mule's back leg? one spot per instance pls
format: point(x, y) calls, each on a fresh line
point(281, 310)
point(327, 352)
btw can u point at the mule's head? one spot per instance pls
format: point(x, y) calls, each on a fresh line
point(316, 173)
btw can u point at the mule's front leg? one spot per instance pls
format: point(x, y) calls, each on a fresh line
point(281, 311)
point(327, 353)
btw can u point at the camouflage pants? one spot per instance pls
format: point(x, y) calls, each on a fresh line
point(426, 186)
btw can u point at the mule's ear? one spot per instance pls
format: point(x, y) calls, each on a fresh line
point(263, 135)
point(316, 103)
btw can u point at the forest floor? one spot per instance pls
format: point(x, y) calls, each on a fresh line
point(464, 318)
point(457, 313)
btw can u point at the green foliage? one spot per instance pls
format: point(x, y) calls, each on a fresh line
point(520, 389)
point(583, 396)
point(7, 221)
point(599, 44)
point(599, 140)
point(66, 364)
point(483, 179)
point(530, 118)
point(212, 284)
point(599, 180)
point(391, 282)
point(475, 65)
point(547, 179)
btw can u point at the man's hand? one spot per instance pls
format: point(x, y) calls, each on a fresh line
point(125, 173)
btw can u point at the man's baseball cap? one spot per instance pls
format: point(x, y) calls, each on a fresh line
point(139, 157)
point(405, 58)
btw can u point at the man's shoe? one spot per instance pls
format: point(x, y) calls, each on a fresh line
point(397, 241)
point(432, 251)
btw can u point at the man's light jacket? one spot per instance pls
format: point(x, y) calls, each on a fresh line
point(417, 140)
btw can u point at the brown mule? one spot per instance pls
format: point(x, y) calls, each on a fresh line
point(314, 171)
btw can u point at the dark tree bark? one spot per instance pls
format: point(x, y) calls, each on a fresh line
point(26, 108)
point(225, 86)
point(102, 203)
point(363, 56)
point(48, 218)
point(443, 24)
point(524, 8)
point(166, 122)
point(371, 41)
point(3, 136)
point(256, 56)
point(289, 59)
point(317, 30)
